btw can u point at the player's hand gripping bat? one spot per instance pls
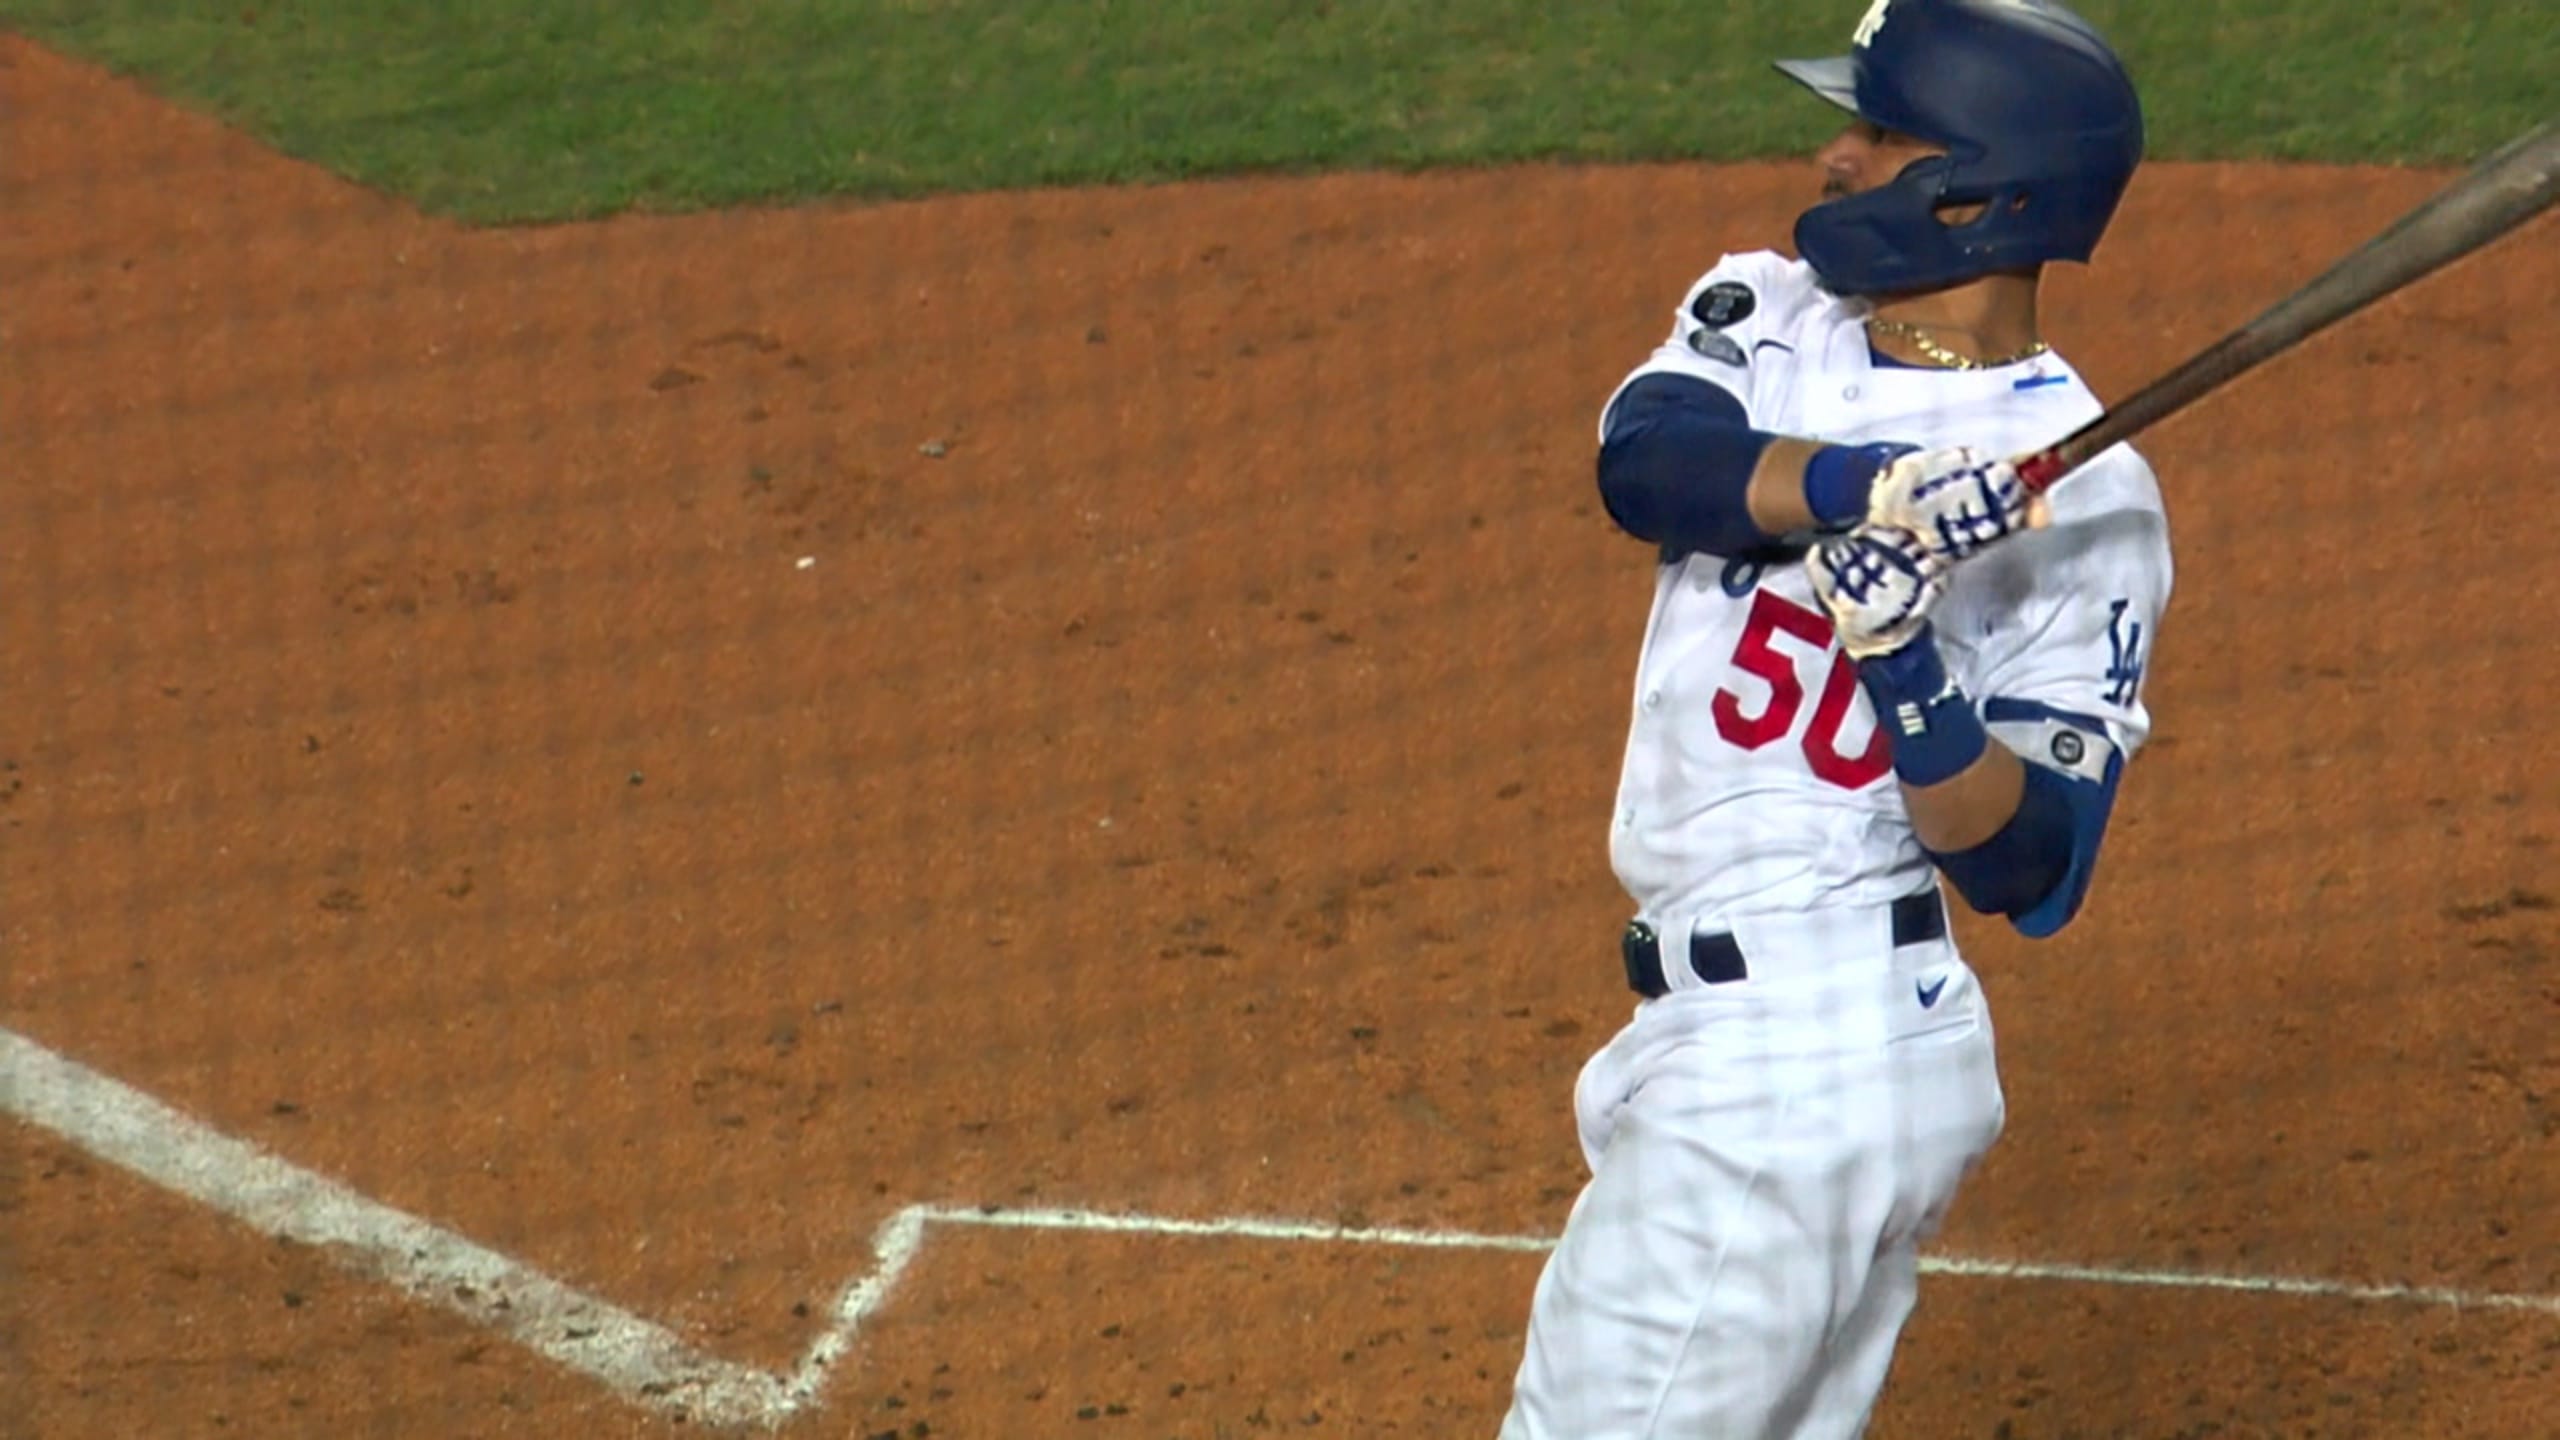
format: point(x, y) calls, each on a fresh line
point(2510, 186)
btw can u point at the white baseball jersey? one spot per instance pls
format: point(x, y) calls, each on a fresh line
point(1768, 1155)
point(1755, 779)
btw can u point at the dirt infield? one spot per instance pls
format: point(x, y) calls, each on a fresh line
point(655, 745)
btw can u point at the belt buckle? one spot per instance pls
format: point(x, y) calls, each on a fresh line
point(1633, 942)
point(1638, 935)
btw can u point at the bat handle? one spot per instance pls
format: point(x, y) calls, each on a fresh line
point(2040, 470)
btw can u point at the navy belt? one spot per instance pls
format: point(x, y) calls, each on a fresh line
point(1717, 957)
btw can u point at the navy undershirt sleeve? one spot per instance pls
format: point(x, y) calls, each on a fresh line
point(1676, 458)
point(1675, 466)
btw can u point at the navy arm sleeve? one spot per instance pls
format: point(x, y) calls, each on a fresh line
point(1675, 466)
point(1676, 457)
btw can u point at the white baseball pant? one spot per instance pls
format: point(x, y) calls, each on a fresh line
point(1767, 1157)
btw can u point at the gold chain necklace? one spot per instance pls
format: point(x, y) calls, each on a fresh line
point(1941, 355)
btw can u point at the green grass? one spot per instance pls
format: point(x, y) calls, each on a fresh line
point(502, 110)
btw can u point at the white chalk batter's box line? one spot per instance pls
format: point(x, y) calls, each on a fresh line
point(649, 1365)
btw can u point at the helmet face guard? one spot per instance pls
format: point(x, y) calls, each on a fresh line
point(2039, 120)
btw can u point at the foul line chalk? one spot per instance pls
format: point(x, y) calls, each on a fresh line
point(649, 1365)
point(2303, 1288)
point(1104, 1222)
point(636, 1358)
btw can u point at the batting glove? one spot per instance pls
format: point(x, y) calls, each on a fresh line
point(1960, 500)
point(1878, 584)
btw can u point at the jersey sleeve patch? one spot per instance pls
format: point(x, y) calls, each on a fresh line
point(1722, 317)
point(1722, 304)
point(1714, 324)
point(1717, 346)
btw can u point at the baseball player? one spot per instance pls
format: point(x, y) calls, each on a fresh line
point(1874, 667)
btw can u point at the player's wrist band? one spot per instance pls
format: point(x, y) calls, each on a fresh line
point(1935, 733)
point(1837, 478)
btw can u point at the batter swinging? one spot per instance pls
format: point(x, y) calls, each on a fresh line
point(1866, 672)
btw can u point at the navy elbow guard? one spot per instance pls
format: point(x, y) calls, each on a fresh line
point(2020, 864)
point(2036, 869)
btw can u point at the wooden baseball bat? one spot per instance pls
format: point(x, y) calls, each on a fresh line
point(2514, 183)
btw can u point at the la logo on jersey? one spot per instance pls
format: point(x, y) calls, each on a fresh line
point(2124, 654)
point(1868, 26)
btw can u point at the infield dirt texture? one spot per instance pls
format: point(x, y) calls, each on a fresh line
point(658, 744)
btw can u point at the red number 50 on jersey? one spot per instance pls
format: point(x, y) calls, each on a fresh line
point(1758, 654)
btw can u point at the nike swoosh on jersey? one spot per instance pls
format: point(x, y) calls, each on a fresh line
point(1929, 993)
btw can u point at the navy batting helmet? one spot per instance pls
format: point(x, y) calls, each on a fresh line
point(2039, 120)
